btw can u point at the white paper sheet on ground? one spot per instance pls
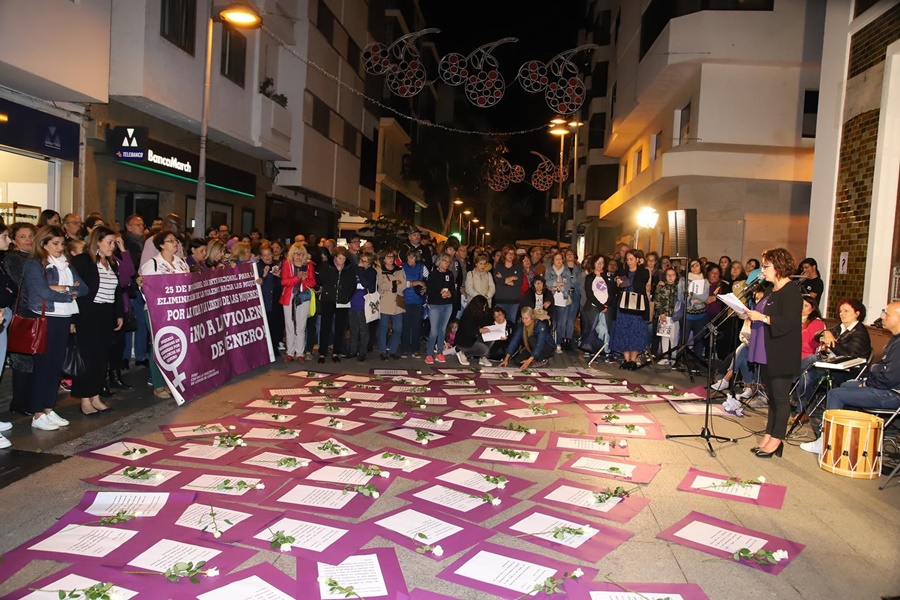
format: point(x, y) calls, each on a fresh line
point(469, 415)
point(620, 430)
point(270, 433)
point(362, 573)
point(468, 479)
point(642, 398)
point(210, 483)
point(580, 497)
point(439, 494)
point(341, 424)
point(307, 535)
point(376, 405)
point(344, 475)
point(608, 407)
point(383, 414)
point(268, 417)
point(462, 391)
point(108, 504)
point(602, 466)
point(198, 430)
point(310, 374)
point(270, 461)
point(632, 420)
point(249, 588)
point(118, 450)
point(410, 434)
point(298, 391)
point(324, 384)
point(354, 378)
point(714, 484)
point(494, 433)
point(268, 405)
point(611, 389)
point(435, 400)
point(719, 537)
point(482, 403)
point(165, 553)
point(541, 399)
point(308, 495)
point(353, 395)
point(153, 481)
point(588, 397)
point(518, 388)
point(204, 451)
point(197, 516)
point(76, 582)
point(685, 396)
point(521, 413)
point(85, 540)
point(410, 523)
point(341, 411)
point(633, 596)
point(582, 444)
point(313, 448)
point(510, 573)
point(543, 525)
point(530, 456)
point(408, 465)
point(408, 389)
point(416, 423)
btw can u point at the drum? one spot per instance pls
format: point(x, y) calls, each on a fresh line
point(851, 444)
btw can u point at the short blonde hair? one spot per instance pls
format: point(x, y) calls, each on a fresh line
point(240, 252)
point(215, 252)
point(298, 248)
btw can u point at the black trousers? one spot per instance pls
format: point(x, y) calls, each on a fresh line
point(778, 389)
point(331, 315)
point(93, 334)
point(275, 318)
point(48, 366)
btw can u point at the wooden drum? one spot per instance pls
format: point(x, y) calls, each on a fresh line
point(851, 444)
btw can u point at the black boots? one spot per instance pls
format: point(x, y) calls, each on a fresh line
point(116, 381)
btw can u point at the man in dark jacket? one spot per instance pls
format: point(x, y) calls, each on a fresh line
point(134, 243)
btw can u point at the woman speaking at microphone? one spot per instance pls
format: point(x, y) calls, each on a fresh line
point(777, 349)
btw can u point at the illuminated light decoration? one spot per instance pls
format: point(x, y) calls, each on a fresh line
point(505, 174)
point(241, 15)
point(400, 61)
point(543, 177)
point(479, 72)
point(564, 90)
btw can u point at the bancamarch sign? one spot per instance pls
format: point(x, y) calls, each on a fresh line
point(171, 162)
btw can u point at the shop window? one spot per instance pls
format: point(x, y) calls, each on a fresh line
point(178, 23)
point(234, 55)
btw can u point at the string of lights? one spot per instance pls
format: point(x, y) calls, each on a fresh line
point(394, 111)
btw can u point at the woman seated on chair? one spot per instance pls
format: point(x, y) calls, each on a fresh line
point(813, 326)
point(849, 338)
point(533, 336)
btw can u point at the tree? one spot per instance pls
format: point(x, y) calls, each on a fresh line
point(448, 164)
point(385, 231)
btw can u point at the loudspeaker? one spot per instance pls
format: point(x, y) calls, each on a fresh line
point(683, 232)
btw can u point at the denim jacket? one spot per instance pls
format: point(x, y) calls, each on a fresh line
point(38, 280)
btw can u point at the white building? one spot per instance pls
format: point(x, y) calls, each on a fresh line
point(711, 110)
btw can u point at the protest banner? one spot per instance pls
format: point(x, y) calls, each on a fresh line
point(207, 327)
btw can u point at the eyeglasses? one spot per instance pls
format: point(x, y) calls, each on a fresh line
point(767, 266)
point(170, 241)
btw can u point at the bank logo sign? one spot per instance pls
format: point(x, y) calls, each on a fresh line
point(171, 162)
point(130, 143)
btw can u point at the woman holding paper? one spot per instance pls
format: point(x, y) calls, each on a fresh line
point(698, 293)
point(474, 322)
point(775, 345)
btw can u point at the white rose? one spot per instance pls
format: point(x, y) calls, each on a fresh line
point(439, 422)
point(339, 425)
point(375, 495)
point(213, 572)
point(553, 412)
point(780, 555)
point(761, 479)
point(138, 513)
point(424, 442)
point(115, 594)
point(322, 578)
point(158, 476)
point(437, 550)
point(496, 501)
point(217, 534)
point(623, 443)
point(285, 547)
point(501, 485)
point(231, 427)
point(260, 486)
point(577, 573)
point(385, 474)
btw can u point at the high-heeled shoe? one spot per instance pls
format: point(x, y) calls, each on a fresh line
point(776, 452)
point(754, 449)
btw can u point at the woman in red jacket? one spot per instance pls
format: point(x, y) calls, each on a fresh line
point(298, 278)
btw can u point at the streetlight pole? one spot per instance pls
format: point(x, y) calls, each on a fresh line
point(239, 15)
point(575, 125)
point(557, 127)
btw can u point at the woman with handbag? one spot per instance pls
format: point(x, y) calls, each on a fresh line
point(298, 278)
point(52, 288)
point(391, 287)
point(630, 333)
point(100, 313)
point(22, 237)
point(8, 290)
point(338, 282)
point(360, 306)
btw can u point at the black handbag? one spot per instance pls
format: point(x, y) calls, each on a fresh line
point(73, 364)
point(632, 303)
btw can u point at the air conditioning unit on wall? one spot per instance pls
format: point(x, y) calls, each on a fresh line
point(95, 129)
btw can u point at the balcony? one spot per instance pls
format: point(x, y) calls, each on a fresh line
point(271, 129)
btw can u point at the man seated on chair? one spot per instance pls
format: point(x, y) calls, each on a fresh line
point(881, 389)
point(848, 338)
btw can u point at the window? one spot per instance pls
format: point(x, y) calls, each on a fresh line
point(623, 170)
point(602, 29)
point(325, 21)
point(612, 104)
point(684, 129)
point(655, 145)
point(178, 23)
point(234, 55)
point(638, 162)
point(351, 137)
point(353, 55)
point(597, 131)
point(600, 79)
point(810, 113)
point(321, 116)
point(616, 27)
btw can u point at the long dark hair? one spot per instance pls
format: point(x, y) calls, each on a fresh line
point(44, 235)
point(815, 314)
point(478, 309)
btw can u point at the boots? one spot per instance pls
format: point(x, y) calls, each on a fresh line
point(116, 381)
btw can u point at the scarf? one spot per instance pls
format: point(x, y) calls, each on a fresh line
point(527, 332)
point(62, 268)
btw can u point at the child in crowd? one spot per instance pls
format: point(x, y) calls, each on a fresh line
point(75, 247)
point(450, 336)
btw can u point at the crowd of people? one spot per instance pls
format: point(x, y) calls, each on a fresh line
point(414, 297)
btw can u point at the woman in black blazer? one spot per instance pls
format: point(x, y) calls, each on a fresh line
point(630, 334)
point(100, 313)
point(778, 315)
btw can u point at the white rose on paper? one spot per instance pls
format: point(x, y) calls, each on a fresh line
point(780, 555)
point(496, 501)
point(285, 548)
point(385, 474)
point(532, 431)
point(437, 550)
point(501, 485)
point(217, 534)
point(158, 476)
point(213, 572)
point(623, 443)
point(260, 486)
point(761, 479)
point(375, 495)
point(577, 573)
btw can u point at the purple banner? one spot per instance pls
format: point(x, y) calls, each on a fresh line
point(207, 328)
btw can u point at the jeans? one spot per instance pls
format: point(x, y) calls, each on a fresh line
point(138, 337)
point(48, 366)
point(853, 394)
point(696, 327)
point(559, 322)
point(396, 322)
point(571, 314)
point(512, 311)
point(476, 350)
point(741, 365)
point(411, 337)
point(439, 315)
point(810, 379)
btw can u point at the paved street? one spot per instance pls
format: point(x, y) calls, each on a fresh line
point(850, 529)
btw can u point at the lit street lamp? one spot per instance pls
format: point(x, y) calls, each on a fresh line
point(466, 212)
point(646, 218)
point(240, 15)
point(562, 127)
point(469, 230)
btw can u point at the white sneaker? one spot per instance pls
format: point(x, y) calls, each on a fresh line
point(4, 443)
point(814, 447)
point(559, 349)
point(462, 357)
point(57, 420)
point(44, 422)
point(747, 393)
point(4, 426)
point(484, 362)
point(719, 385)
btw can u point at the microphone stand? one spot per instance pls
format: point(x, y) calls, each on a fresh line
point(682, 355)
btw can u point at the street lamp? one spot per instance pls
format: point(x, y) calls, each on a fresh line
point(484, 238)
point(574, 125)
point(466, 212)
point(646, 218)
point(240, 15)
point(469, 230)
point(480, 228)
point(557, 128)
